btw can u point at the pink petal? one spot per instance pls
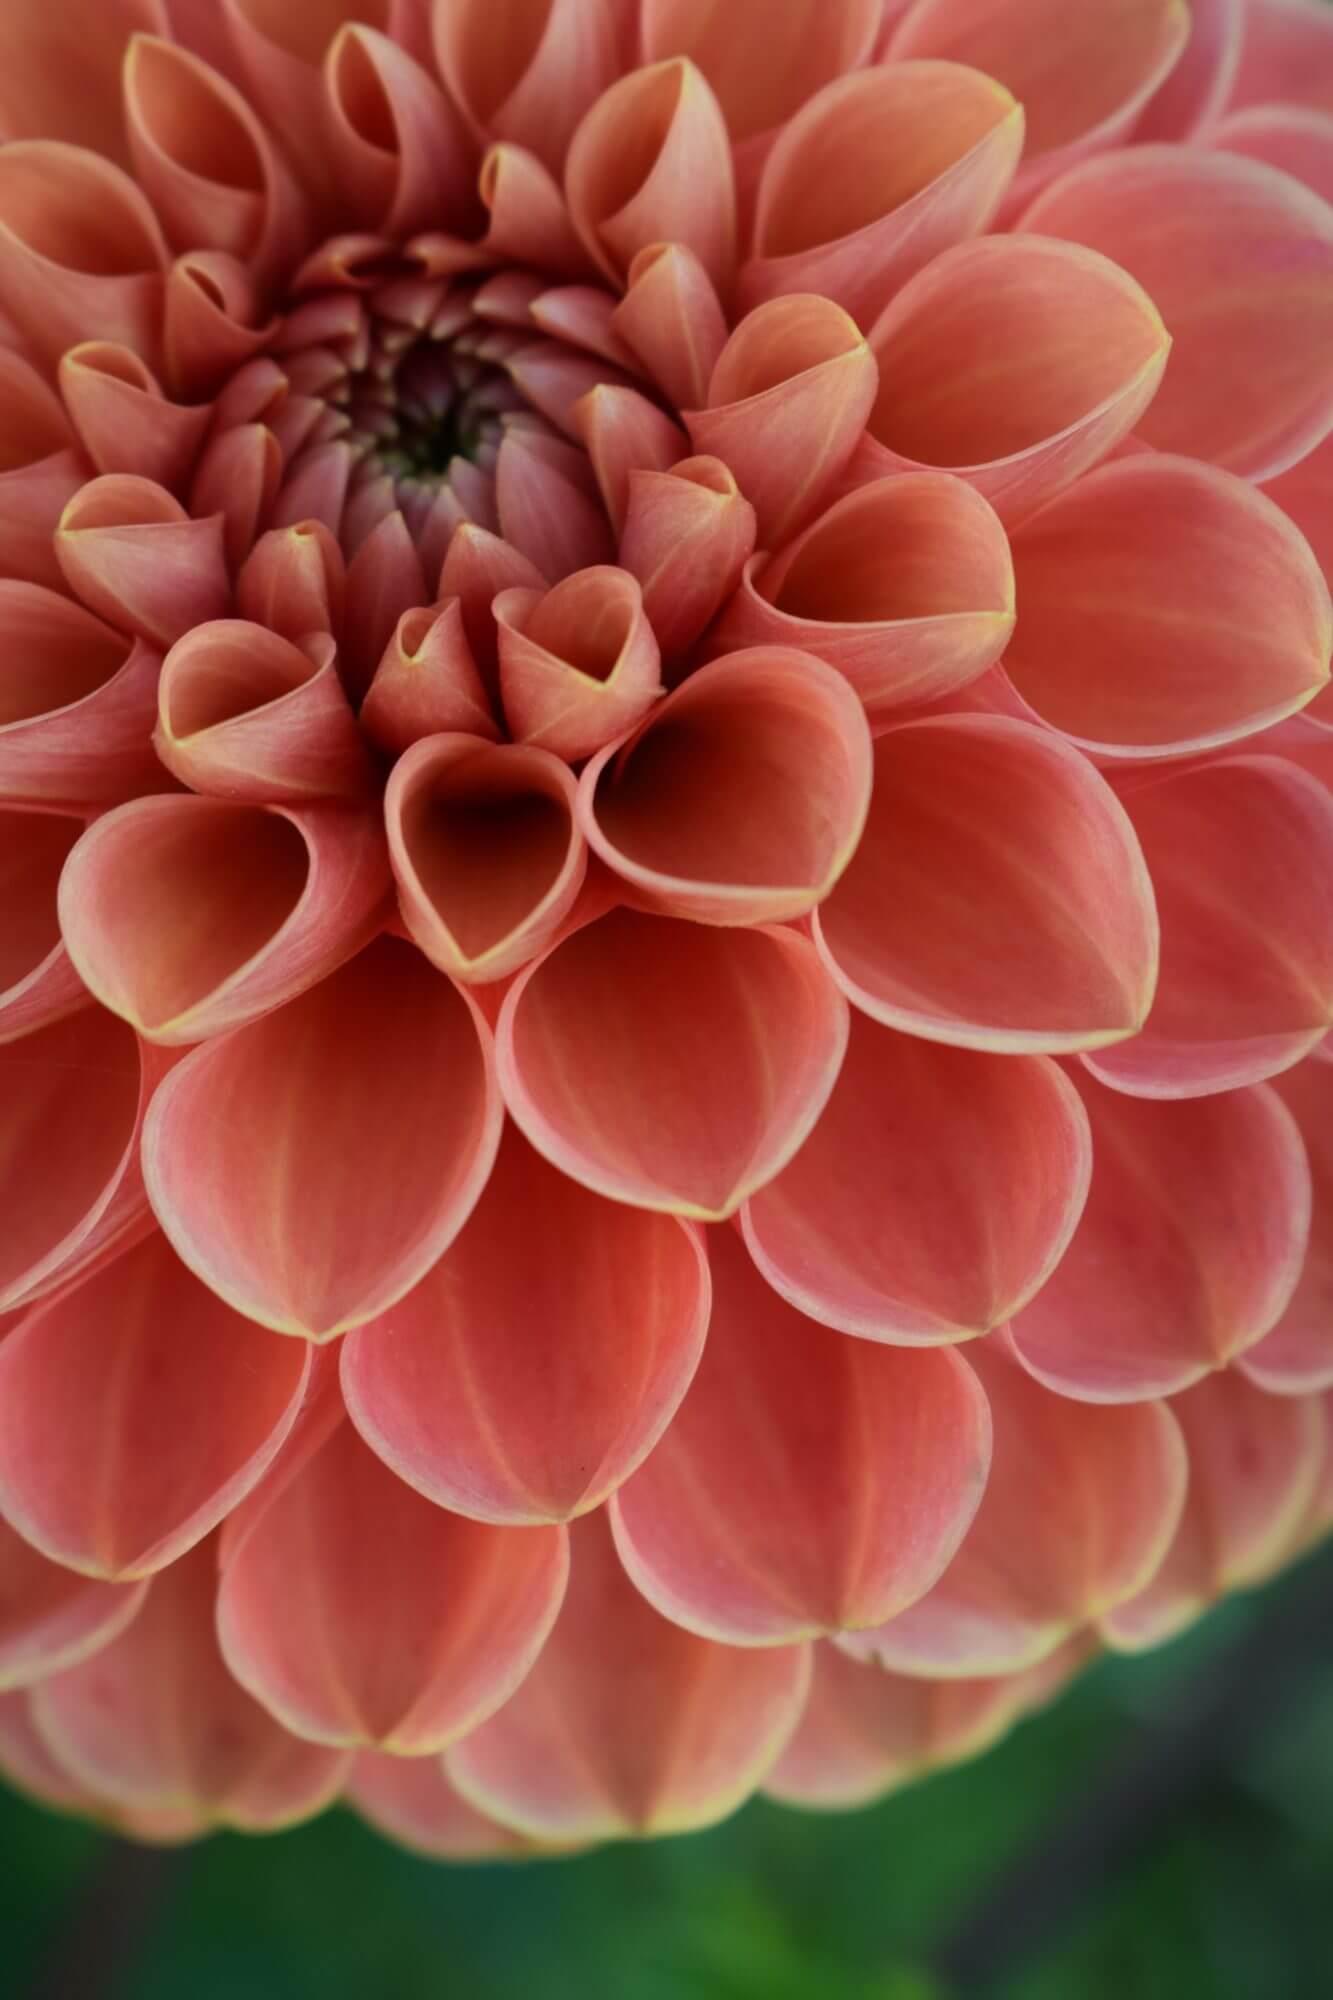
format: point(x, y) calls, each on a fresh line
point(238, 481)
point(38, 984)
point(1297, 1356)
point(623, 433)
point(540, 1361)
point(550, 510)
point(1239, 261)
point(487, 854)
point(40, 471)
point(1294, 140)
point(427, 682)
point(1214, 1196)
point(63, 68)
point(627, 1724)
point(529, 222)
point(360, 1126)
point(29, 1764)
point(1067, 878)
point(1241, 857)
point(190, 916)
point(135, 1412)
point(579, 665)
point(210, 322)
point(50, 1618)
point(555, 381)
point(935, 1196)
point(399, 153)
point(477, 567)
point(687, 536)
point(741, 797)
point(293, 581)
point(1090, 1494)
point(427, 1622)
point(410, 1800)
point(134, 556)
point(671, 317)
point(124, 421)
point(1051, 401)
point(384, 579)
point(841, 214)
point(762, 69)
point(1286, 55)
point(532, 79)
point(671, 1065)
point(905, 586)
point(1202, 80)
point(584, 316)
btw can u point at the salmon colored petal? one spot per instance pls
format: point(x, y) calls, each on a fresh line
point(1214, 1196)
point(1199, 85)
point(687, 536)
point(190, 916)
point(555, 381)
point(154, 1722)
point(673, 320)
point(1166, 606)
point(1241, 857)
point(134, 556)
point(384, 579)
point(627, 1724)
point(578, 666)
point(38, 984)
point(71, 1192)
point(787, 405)
point(529, 222)
point(427, 1622)
point(538, 1364)
point(529, 75)
point(763, 69)
point(1296, 1358)
point(843, 214)
point(672, 1066)
point(1050, 403)
point(624, 433)
point(1091, 1495)
point(210, 323)
point(124, 421)
point(486, 850)
point(62, 69)
point(237, 483)
point(427, 682)
point(1239, 261)
point(808, 1483)
point(1286, 55)
point(477, 567)
point(937, 1193)
point(583, 317)
point(29, 1763)
point(40, 470)
point(741, 798)
point(293, 581)
point(1082, 75)
point(399, 153)
point(410, 1800)
point(651, 163)
point(550, 511)
point(81, 252)
point(1254, 1460)
point(135, 1412)
point(360, 1126)
point(984, 831)
point(1296, 141)
point(906, 586)
point(50, 1618)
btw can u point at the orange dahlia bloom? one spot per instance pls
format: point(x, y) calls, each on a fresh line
point(666, 901)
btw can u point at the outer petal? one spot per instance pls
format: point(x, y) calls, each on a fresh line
point(1090, 1495)
point(1065, 876)
point(627, 1724)
point(62, 69)
point(76, 703)
point(1201, 82)
point(27, 1762)
point(135, 1412)
point(529, 222)
point(40, 470)
point(399, 154)
point(427, 682)
point(132, 553)
point(671, 1065)
point(427, 1622)
point(672, 318)
point(249, 905)
point(410, 1800)
point(1187, 1254)
point(1297, 1356)
point(579, 665)
point(38, 984)
point(477, 567)
point(540, 1361)
point(935, 1196)
point(531, 79)
point(350, 1135)
point(1239, 259)
point(1286, 55)
point(211, 323)
point(124, 419)
point(762, 72)
point(293, 581)
point(49, 1617)
point(687, 535)
point(1296, 141)
point(624, 434)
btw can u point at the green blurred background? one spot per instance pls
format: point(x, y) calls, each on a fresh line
point(1164, 1832)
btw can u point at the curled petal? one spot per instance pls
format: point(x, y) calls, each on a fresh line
point(427, 682)
point(1241, 857)
point(1214, 1195)
point(651, 163)
point(842, 214)
point(529, 222)
point(410, 1800)
point(687, 536)
point(1166, 606)
point(477, 567)
point(51, 1618)
point(62, 72)
point(76, 702)
point(532, 80)
point(671, 1065)
point(135, 557)
point(38, 984)
point(236, 483)
point(1285, 55)
point(124, 421)
point(350, 1133)
point(28, 1763)
point(808, 1483)
point(1091, 1494)
point(1051, 401)
point(741, 798)
point(556, 381)
point(673, 320)
point(384, 579)
point(427, 1622)
point(624, 433)
point(983, 830)
point(549, 507)
point(935, 1196)
point(513, 1384)
point(906, 586)
point(135, 1412)
point(627, 1724)
point(210, 322)
point(1296, 141)
point(398, 153)
point(1296, 1358)
point(1239, 261)
point(189, 916)
point(41, 470)
point(578, 666)
point(583, 317)
point(486, 850)
point(787, 404)
point(293, 581)
point(762, 70)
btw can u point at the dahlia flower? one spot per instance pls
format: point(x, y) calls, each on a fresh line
point(666, 901)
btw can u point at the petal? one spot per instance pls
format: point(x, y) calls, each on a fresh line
point(624, 433)
point(124, 420)
point(1239, 260)
point(1188, 1251)
point(28, 1763)
point(1241, 856)
point(1296, 141)
point(687, 535)
point(550, 510)
point(529, 222)
point(1297, 1356)
point(360, 1126)
point(237, 483)
point(935, 1196)
point(1067, 878)
point(627, 1724)
point(189, 916)
point(540, 1361)
point(672, 318)
point(134, 556)
point(135, 1412)
point(293, 581)
point(427, 682)
point(210, 324)
point(762, 71)
point(578, 666)
point(411, 1802)
point(38, 984)
point(669, 1065)
point(62, 69)
point(742, 796)
point(487, 854)
point(40, 472)
point(50, 1618)
point(399, 153)
point(76, 703)
point(477, 567)
point(1286, 54)
point(1202, 80)
point(384, 579)
point(426, 1622)
point(532, 78)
